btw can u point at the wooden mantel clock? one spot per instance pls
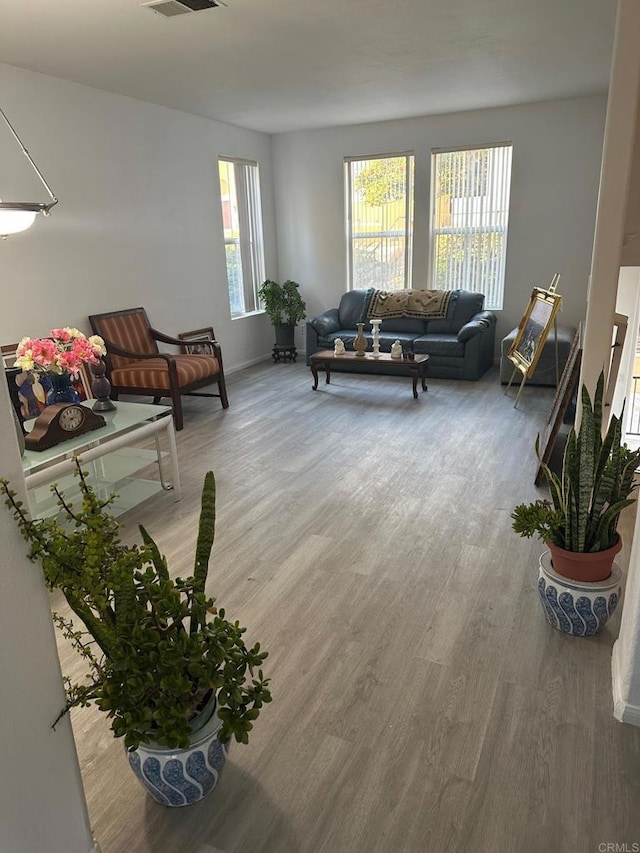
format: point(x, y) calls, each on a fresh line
point(60, 422)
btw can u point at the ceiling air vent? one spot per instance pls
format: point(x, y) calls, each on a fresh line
point(171, 8)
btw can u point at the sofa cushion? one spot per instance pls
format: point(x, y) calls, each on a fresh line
point(476, 325)
point(444, 345)
point(403, 324)
point(466, 307)
point(353, 307)
point(444, 327)
point(387, 338)
point(327, 322)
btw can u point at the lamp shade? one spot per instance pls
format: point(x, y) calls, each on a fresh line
point(13, 220)
point(17, 216)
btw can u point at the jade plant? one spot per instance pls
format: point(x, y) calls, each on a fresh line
point(592, 489)
point(155, 647)
point(282, 302)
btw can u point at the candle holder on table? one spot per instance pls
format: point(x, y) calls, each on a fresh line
point(101, 388)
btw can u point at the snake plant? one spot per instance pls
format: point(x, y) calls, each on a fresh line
point(155, 646)
point(593, 488)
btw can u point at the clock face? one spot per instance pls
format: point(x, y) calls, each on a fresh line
point(71, 418)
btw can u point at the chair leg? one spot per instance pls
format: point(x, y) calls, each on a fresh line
point(222, 388)
point(113, 394)
point(176, 401)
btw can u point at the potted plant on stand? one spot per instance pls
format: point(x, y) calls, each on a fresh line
point(171, 672)
point(578, 583)
point(286, 308)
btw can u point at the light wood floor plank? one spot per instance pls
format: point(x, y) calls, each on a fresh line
point(421, 702)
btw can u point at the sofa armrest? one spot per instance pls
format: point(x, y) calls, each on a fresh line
point(476, 325)
point(326, 323)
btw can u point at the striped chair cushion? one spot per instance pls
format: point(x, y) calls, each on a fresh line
point(154, 372)
point(128, 331)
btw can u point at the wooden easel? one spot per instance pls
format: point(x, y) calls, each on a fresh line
point(527, 367)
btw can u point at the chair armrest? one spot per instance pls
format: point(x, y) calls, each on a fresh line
point(326, 323)
point(181, 342)
point(167, 339)
point(476, 325)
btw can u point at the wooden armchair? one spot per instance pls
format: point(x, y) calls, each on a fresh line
point(135, 365)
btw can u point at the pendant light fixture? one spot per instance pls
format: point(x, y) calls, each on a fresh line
point(17, 216)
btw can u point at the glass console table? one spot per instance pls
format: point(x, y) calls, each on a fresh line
point(110, 459)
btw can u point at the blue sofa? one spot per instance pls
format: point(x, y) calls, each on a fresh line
point(461, 346)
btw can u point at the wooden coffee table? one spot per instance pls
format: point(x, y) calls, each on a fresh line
point(417, 367)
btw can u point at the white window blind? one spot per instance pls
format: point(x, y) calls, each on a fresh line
point(379, 203)
point(243, 236)
point(469, 220)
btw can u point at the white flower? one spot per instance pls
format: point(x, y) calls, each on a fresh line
point(25, 361)
point(98, 344)
point(74, 333)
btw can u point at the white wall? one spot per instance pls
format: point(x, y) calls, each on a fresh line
point(557, 149)
point(139, 220)
point(42, 805)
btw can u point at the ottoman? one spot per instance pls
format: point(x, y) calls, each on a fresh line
point(545, 372)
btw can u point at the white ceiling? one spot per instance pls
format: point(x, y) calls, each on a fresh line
point(280, 65)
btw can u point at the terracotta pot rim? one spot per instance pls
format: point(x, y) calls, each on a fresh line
point(586, 555)
point(591, 566)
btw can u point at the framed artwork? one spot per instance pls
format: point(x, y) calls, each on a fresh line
point(196, 342)
point(533, 330)
point(82, 383)
point(565, 391)
point(8, 352)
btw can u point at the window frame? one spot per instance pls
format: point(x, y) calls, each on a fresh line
point(250, 239)
point(409, 208)
point(498, 228)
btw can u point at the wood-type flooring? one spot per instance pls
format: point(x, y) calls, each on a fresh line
point(421, 702)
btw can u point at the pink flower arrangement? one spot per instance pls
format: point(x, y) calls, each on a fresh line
point(64, 351)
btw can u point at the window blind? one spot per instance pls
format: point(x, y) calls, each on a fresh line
point(469, 216)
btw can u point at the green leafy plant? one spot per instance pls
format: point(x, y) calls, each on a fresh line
point(592, 489)
point(282, 302)
point(156, 647)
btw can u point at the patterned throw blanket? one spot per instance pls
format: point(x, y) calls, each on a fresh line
point(421, 304)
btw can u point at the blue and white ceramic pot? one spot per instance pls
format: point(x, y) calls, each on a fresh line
point(180, 777)
point(576, 607)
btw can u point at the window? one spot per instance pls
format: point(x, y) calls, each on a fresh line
point(243, 239)
point(379, 192)
point(469, 217)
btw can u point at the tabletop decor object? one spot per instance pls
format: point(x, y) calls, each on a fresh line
point(360, 343)
point(375, 325)
point(396, 349)
point(101, 388)
point(60, 422)
point(60, 356)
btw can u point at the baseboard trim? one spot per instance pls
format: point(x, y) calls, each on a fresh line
point(229, 371)
point(301, 356)
point(622, 711)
